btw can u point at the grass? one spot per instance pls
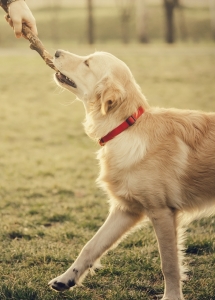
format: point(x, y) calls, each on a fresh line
point(49, 203)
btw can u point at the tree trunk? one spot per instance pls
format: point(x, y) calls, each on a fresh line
point(212, 13)
point(90, 22)
point(183, 23)
point(125, 8)
point(54, 21)
point(141, 21)
point(124, 25)
point(169, 6)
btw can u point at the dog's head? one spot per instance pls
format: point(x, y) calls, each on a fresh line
point(99, 77)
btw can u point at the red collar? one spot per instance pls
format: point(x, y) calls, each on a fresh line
point(123, 126)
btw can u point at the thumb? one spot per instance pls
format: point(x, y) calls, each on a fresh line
point(33, 27)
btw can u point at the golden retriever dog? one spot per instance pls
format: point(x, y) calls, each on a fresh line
point(155, 163)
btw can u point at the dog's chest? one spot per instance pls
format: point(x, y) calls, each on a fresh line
point(119, 173)
point(139, 176)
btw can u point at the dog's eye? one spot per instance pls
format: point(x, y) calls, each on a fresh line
point(86, 63)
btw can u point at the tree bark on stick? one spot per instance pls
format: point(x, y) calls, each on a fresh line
point(35, 43)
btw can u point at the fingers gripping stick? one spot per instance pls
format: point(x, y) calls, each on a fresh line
point(35, 43)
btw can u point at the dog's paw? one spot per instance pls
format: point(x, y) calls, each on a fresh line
point(61, 284)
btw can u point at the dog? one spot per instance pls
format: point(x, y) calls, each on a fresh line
point(155, 163)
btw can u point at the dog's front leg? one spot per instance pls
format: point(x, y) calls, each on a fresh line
point(164, 222)
point(117, 223)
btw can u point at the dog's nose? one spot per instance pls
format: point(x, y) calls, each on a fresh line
point(57, 53)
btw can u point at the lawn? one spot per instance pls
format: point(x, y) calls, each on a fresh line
point(50, 205)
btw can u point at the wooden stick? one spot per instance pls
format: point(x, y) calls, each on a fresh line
point(35, 43)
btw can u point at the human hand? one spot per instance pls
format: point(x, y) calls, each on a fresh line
point(20, 13)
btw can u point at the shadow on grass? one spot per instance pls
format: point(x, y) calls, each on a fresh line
point(200, 248)
point(17, 235)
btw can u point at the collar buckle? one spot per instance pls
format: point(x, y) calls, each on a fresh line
point(131, 120)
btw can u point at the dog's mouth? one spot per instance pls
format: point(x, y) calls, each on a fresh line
point(64, 79)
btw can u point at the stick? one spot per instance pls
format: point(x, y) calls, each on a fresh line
point(35, 43)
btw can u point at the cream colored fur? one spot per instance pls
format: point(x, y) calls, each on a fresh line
point(163, 167)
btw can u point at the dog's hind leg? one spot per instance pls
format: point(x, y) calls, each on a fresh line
point(116, 225)
point(164, 222)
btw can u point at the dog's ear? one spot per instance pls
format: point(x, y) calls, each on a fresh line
point(111, 93)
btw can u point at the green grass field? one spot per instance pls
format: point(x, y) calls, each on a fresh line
point(49, 203)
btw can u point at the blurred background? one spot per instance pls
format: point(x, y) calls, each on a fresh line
point(120, 21)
